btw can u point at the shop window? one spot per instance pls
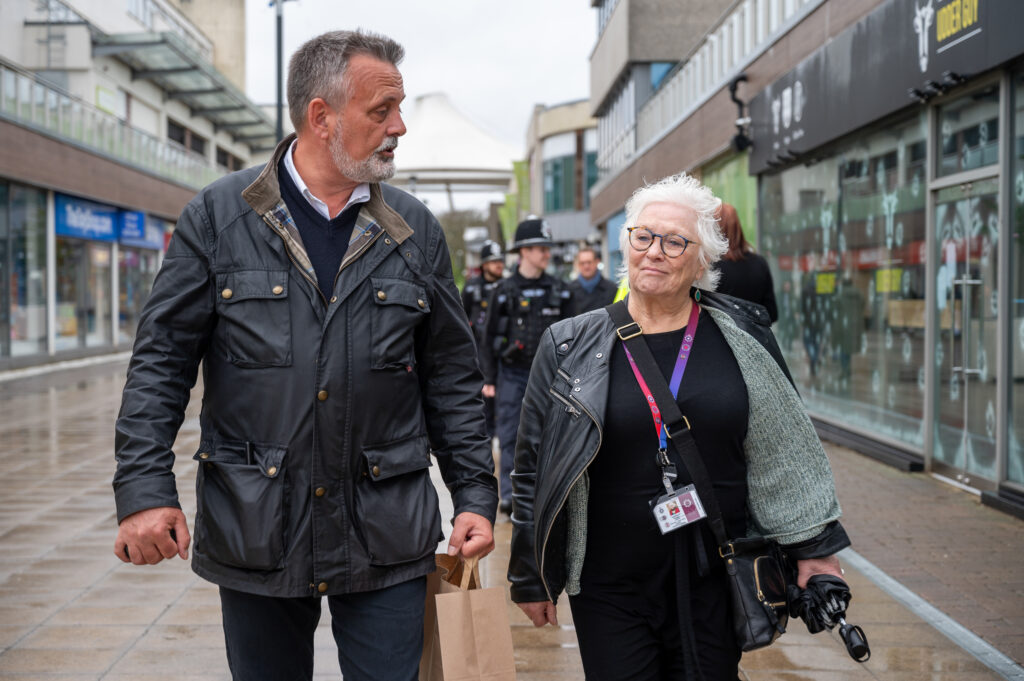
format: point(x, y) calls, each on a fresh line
point(25, 271)
point(1015, 454)
point(969, 132)
point(83, 294)
point(136, 271)
point(5, 295)
point(845, 240)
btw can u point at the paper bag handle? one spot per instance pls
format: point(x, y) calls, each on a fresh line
point(468, 567)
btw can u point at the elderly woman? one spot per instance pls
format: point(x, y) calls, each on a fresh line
point(648, 605)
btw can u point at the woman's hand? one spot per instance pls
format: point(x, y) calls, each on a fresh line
point(817, 566)
point(540, 613)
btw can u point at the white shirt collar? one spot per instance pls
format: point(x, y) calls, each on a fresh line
point(361, 193)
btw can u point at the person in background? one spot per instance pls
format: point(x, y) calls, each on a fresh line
point(336, 359)
point(743, 273)
point(646, 605)
point(521, 308)
point(476, 295)
point(590, 290)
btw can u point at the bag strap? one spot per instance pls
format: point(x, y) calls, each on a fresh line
point(468, 569)
point(677, 425)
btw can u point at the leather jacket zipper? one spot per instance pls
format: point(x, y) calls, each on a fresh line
point(565, 400)
point(565, 497)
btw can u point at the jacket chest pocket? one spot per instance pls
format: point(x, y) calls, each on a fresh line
point(255, 317)
point(241, 495)
point(399, 307)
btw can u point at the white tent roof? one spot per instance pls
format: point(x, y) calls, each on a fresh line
point(444, 151)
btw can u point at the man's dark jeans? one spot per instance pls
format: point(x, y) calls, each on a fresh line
point(379, 634)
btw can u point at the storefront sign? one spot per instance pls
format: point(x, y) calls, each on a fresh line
point(905, 51)
point(85, 219)
point(140, 231)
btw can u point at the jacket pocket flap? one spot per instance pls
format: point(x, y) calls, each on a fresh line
point(252, 284)
point(268, 458)
point(397, 458)
point(399, 292)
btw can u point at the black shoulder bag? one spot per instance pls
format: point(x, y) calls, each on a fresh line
point(755, 565)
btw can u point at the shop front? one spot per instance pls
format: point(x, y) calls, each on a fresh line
point(891, 205)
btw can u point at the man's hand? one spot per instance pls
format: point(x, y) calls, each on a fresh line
point(817, 566)
point(149, 536)
point(488, 390)
point(540, 613)
point(472, 535)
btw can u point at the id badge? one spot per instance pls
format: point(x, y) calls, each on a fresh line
point(682, 507)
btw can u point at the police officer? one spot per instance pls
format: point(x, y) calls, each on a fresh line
point(476, 297)
point(521, 308)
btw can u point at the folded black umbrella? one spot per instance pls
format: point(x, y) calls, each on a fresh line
point(822, 605)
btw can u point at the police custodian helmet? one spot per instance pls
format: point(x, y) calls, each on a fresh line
point(490, 251)
point(532, 232)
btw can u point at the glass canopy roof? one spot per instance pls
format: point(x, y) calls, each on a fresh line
point(167, 61)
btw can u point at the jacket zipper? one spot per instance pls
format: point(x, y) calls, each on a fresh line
point(565, 497)
point(308, 278)
point(564, 400)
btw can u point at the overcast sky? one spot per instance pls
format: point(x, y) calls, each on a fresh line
point(495, 60)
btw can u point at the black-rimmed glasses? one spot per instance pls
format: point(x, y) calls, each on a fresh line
point(672, 245)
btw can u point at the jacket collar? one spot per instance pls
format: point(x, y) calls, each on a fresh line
point(264, 195)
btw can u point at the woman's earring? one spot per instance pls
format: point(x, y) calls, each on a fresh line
point(696, 295)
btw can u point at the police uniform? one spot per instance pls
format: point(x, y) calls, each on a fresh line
point(476, 297)
point(520, 310)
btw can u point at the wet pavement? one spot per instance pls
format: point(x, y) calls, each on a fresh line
point(938, 579)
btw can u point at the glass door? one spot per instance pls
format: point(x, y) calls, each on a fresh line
point(967, 310)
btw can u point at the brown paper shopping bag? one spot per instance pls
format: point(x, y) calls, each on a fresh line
point(466, 632)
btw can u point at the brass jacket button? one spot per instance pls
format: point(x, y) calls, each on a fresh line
point(226, 293)
point(204, 455)
point(272, 471)
point(320, 491)
point(322, 587)
point(421, 303)
point(278, 290)
point(322, 395)
point(381, 295)
point(334, 299)
point(376, 471)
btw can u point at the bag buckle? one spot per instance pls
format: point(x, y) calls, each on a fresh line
point(685, 420)
point(633, 334)
point(725, 552)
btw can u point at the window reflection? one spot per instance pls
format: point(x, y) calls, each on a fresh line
point(846, 237)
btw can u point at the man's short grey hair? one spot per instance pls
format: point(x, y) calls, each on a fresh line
point(682, 190)
point(317, 69)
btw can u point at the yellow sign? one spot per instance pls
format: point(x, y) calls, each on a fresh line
point(888, 281)
point(955, 17)
point(825, 283)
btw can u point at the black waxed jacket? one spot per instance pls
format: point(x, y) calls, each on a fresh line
point(569, 380)
point(319, 416)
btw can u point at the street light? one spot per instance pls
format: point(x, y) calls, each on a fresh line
point(278, 4)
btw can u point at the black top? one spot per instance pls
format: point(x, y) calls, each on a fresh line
point(623, 540)
point(749, 279)
point(326, 241)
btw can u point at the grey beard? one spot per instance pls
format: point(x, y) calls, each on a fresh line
point(372, 169)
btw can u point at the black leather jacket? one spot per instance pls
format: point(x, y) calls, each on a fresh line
point(319, 416)
point(552, 456)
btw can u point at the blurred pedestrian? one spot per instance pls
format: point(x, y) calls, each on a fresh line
point(648, 605)
point(335, 358)
point(476, 296)
point(522, 307)
point(590, 290)
point(744, 273)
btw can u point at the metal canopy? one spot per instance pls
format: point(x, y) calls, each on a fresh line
point(167, 61)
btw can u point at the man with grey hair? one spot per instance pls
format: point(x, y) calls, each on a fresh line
point(336, 359)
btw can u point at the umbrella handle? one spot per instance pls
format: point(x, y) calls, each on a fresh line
point(856, 642)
